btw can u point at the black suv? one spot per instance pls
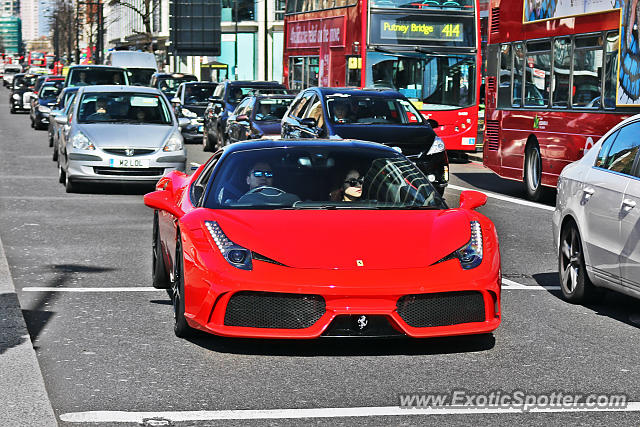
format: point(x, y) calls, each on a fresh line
point(168, 82)
point(225, 99)
point(383, 116)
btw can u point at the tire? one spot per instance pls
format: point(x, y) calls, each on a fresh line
point(51, 141)
point(206, 143)
point(575, 284)
point(12, 110)
point(533, 173)
point(54, 156)
point(61, 174)
point(69, 186)
point(159, 277)
point(180, 326)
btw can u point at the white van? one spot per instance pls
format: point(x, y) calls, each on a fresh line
point(140, 65)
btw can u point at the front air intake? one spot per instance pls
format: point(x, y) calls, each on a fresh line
point(441, 309)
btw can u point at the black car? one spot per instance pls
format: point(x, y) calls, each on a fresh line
point(383, 116)
point(190, 102)
point(21, 90)
point(225, 99)
point(257, 117)
point(61, 106)
point(168, 82)
point(41, 107)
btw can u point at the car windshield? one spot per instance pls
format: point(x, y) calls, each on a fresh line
point(140, 76)
point(271, 109)
point(93, 77)
point(320, 178)
point(368, 110)
point(49, 91)
point(169, 85)
point(237, 93)
point(11, 70)
point(134, 108)
point(198, 94)
point(24, 81)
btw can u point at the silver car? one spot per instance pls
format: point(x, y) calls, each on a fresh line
point(119, 134)
point(596, 224)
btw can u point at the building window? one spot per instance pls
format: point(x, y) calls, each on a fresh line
point(246, 10)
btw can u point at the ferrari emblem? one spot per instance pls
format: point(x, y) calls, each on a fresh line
point(359, 263)
point(362, 322)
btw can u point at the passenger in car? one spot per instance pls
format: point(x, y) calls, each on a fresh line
point(351, 189)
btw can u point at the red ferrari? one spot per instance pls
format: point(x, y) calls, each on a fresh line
point(302, 239)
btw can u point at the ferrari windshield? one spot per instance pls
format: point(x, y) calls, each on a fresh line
point(136, 108)
point(320, 177)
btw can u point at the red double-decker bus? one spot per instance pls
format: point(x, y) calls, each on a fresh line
point(427, 50)
point(36, 59)
point(559, 76)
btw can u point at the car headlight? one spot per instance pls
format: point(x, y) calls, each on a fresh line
point(188, 113)
point(235, 254)
point(436, 147)
point(174, 143)
point(470, 255)
point(44, 109)
point(81, 142)
point(16, 97)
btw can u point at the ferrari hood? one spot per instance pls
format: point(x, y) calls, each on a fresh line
point(341, 239)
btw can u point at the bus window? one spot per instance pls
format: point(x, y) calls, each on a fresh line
point(538, 76)
point(561, 69)
point(587, 72)
point(504, 88)
point(518, 64)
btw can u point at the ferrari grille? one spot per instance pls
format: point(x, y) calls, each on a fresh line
point(441, 309)
point(273, 310)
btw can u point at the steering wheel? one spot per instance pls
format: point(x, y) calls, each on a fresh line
point(262, 188)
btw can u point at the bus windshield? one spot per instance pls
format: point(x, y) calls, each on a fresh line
point(439, 82)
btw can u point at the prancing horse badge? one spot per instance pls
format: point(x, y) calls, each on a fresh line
point(359, 263)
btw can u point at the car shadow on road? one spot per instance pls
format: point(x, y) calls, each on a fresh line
point(493, 183)
point(349, 346)
point(116, 189)
point(612, 304)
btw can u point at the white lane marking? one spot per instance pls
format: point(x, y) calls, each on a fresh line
point(265, 414)
point(510, 284)
point(114, 289)
point(506, 198)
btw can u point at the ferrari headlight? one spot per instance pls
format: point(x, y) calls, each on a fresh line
point(436, 147)
point(188, 113)
point(470, 255)
point(174, 143)
point(235, 254)
point(81, 142)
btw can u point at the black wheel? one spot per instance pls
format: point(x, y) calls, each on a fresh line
point(61, 175)
point(180, 326)
point(574, 282)
point(55, 153)
point(533, 173)
point(33, 124)
point(159, 277)
point(51, 142)
point(12, 110)
point(69, 186)
point(206, 143)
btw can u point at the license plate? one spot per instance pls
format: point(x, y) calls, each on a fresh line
point(129, 163)
point(200, 129)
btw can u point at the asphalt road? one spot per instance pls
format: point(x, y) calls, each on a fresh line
point(115, 351)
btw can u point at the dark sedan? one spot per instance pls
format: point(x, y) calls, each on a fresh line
point(190, 102)
point(41, 107)
point(383, 116)
point(258, 117)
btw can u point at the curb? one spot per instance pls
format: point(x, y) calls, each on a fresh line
point(23, 397)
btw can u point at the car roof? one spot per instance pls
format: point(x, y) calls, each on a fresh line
point(176, 75)
point(275, 95)
point(252, 83)
point(292, 143)
point(382, 93)
point(120, 88)
point(90, 67)
point(70, 89)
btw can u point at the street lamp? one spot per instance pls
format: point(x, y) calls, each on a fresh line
point(235, 61)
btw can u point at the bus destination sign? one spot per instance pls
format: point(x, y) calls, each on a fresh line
point(392, 29)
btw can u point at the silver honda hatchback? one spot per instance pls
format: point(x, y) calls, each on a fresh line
point(119, 134)
point(596, 224)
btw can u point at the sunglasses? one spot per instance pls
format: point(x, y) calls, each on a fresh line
point(354, 182)
point(260, 174)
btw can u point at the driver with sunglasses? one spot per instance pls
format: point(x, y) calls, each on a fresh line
point(260, 175)
point(351, 189)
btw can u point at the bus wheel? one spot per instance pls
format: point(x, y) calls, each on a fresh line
point(533, 173)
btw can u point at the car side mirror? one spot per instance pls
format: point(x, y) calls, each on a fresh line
point(309, 122)
point(161, 200)
point(242, 118)
point(470, 199)
point(61, 119)
point(433, 123)
point(183, 121)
